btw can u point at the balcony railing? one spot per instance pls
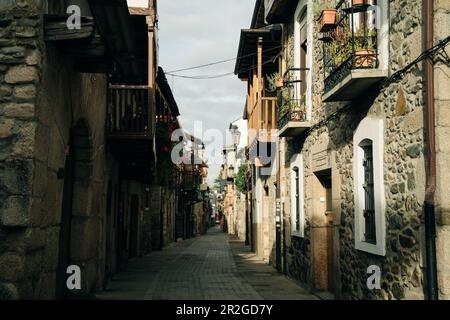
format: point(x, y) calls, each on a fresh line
point(190, 178)
point(293, 110)
point(351, 43)
point(268, 113)
point(128, 111)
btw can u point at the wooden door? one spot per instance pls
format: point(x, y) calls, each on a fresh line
point(330, 230)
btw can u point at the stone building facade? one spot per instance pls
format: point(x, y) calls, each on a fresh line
point(67, 196)
point(322, 154)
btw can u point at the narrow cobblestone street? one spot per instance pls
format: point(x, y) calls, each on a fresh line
point(210, 267)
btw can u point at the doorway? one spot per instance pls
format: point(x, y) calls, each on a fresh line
point(134, 223)
point(77, 175)
point(323, 232)
point(66, 221)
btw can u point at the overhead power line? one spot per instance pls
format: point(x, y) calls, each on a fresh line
point(208, 77)
point(221, 61)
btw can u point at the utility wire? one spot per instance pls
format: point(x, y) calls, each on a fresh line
point(207, 77)
point(222, 61)
point(431, 53)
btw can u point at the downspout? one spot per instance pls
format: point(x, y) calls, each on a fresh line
point(429, 122)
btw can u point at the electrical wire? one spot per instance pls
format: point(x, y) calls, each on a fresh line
point(222, 61)
point(427, 54)
point(207, 77)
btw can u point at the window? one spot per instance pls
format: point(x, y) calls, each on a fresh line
point(370, 202)
point(303, 33)
point(297, 196)
point(369, 192)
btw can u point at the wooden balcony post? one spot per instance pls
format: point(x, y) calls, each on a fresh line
point(259, 80)
point(151, 79)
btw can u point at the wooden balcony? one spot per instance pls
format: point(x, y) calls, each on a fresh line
point(189, 178)
point(130, 127)
point(269, 114)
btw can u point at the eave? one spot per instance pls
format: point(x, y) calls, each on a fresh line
point(279, 11)
point(247, 52)
point(125, 37)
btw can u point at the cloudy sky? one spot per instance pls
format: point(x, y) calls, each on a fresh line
point(196, 32)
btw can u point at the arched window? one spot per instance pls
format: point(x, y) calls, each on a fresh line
point(370, 202)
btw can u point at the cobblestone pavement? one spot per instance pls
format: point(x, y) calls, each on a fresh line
point(210, 267)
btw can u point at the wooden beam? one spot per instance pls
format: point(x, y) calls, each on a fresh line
point(259, 88)
point(126, 87)
point(55, 28)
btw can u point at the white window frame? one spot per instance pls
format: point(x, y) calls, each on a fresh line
point(309, 21)
point(371, 129)
point(297, 161)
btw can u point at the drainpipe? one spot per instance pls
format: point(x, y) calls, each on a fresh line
point(429, 121)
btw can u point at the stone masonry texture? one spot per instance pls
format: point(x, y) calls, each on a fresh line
point(401, 106)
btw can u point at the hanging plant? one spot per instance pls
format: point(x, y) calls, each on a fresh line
point(274, 82)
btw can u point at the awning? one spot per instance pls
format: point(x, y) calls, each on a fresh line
point(110, 40)
point(247, 53)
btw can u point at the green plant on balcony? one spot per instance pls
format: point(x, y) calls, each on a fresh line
point(293, 108)
point(288, 105)
point(274, 82)
point(241, 179)
point(342, 48)
point(320, 6)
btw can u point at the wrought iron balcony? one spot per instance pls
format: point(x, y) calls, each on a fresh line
point(351, 52)
point(292, 111)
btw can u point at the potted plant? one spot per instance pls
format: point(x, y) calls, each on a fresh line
point(327, 19)
point(274, 81)
point(279, 83)
point(358, 2)
point(365, 58)
point(320, 6)
point(362, 50)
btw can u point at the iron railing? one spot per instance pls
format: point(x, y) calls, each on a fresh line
point(291, 99)
point(352, 42)
point(292, 110)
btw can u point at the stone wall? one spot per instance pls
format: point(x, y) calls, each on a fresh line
point(22, 247)
point(197, 212)
point(239, 213)
point(400, 105)
point(163, 202)
point(48, 111)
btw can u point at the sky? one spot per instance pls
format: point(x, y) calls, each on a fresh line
point(196, 32)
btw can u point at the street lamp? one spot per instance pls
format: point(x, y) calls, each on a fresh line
point(236, 134)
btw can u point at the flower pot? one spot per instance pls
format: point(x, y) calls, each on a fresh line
point(279, 83)
point(327, 20)
point(358, 2)
point(365, 58)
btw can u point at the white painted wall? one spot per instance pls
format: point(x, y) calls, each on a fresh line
point(138, 3)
